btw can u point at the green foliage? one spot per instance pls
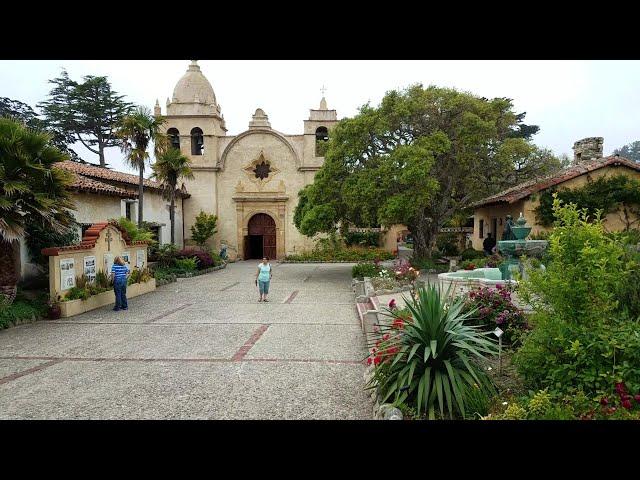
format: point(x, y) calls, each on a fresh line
point(76, 293)
point(165, 254)
point(428, 263)
point(342, 254)
point(20, 310)
point(447, 243)
point(582, 339)
point(25, 114)
point(471, 254)
point(217, 259)
point(417, 159)
point(139, 276)
point(39, 236)
point(103, 280)
point(366, 239)
point(607, 194)
point(630, 151)
point(430, 360)
point(164, 276)
point(87, 111)
point(362, 270)
point(186, 265)
point(32, 190)
point(135, 233)
point(204, 228)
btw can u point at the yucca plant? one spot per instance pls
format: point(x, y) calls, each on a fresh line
point(432, 357)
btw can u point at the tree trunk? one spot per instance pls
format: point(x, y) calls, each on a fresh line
point(172, 216)
point(103, 163)
point(140, 195)
point(424, 237)
point(8, 269)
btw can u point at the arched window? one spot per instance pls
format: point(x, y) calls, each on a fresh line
point(174, 137)
point(322, 136)
point(197, 141)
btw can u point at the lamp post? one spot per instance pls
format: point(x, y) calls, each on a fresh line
point(498, 333)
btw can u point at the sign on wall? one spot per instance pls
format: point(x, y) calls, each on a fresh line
point(90, 268)
point(126, 256)
point(140, 259)
point(67, 274)
point(108, 263)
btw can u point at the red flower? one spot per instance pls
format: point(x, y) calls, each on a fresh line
point(626, 404)
point(604, 401)
point(637, 398)
point(385, 337)
point(392, 303)
point(620, 388)
point(376, 360)
point(369, 361)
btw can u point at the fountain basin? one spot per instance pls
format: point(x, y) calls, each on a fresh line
point(469, 279)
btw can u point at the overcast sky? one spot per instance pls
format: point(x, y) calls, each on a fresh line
point(569, 100)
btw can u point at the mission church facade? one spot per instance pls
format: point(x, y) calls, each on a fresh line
point(251, 180)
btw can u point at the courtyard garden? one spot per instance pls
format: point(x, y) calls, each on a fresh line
point(575, 356)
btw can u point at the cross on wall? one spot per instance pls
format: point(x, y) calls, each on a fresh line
point(109, 238)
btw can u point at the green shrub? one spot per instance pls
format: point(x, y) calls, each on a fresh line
point(186, 265)
point(204, 228)
point(362, 270)
point(135, 233)
point(20, 310)
point(165, 254)
point(582, 340)
point(429, 358)
point(342, 254)
point(470, 254)
point(447, 243)
point(365, 239)
point(76, 293)
point(426, 263)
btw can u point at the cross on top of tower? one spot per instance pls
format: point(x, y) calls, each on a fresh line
point(323, 89)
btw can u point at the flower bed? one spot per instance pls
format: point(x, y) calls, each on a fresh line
point(340, 255)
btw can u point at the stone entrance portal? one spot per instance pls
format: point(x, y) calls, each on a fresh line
point(261, 238)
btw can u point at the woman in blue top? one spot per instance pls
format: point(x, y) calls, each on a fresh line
point(263, 277)
point(120, 272)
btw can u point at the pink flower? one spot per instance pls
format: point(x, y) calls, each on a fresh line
point(369, 361)
point(626, 404)
point(620, 388)
point(604, 401)
point(392, 303)
point(637, 398)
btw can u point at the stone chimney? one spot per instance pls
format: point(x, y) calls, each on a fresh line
point(587, 149)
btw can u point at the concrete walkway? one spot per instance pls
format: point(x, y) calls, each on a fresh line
point(201, 348)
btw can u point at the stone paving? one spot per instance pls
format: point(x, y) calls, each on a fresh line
point(201, 348)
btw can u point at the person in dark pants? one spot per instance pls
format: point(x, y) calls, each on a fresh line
point(120, 273)
point(488, 244)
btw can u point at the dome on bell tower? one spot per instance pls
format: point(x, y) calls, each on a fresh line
point(194, 87)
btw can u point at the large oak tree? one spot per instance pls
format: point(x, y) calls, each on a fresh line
point(419, 158)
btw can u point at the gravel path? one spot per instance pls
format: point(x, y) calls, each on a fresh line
point(201, 348)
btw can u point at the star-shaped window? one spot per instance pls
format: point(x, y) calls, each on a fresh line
point(262, 170)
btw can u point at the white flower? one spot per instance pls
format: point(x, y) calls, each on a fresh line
point(505, 403)
point(489, 368)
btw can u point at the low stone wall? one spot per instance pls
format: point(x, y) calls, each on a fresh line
point(75, 307)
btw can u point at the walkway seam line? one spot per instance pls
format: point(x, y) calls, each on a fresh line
point(37, 368)
point(242, 352)
point(166, 314)
point(291, 297)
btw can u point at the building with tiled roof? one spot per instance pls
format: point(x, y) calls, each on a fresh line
point(588, 164)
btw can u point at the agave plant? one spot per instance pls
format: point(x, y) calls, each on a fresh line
point(433, 357)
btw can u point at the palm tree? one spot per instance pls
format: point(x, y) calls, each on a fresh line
point(30, 191)
point(137, 130)
point(171, 166)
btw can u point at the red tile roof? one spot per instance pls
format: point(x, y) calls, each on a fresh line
point(96, 172)
point(85, 184)
point(89, 240)
point(525, 189)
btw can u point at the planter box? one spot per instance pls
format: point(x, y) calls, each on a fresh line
point(75, 307)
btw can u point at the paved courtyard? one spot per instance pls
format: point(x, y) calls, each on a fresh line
point(201, 348)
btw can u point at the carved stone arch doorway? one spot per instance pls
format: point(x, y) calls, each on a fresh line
point(261, 239)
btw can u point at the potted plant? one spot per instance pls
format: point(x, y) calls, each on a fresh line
point(54, 310)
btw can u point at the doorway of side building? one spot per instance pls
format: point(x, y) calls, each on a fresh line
point(261, 240)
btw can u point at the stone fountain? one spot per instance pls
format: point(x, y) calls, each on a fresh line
point(516, 246)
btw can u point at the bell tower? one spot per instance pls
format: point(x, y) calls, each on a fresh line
point(317, 130)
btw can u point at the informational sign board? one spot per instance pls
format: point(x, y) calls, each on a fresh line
point(498, 332)
point(126, 256)
point(90, 268)
point(140, 259)
point(67, 274)
point(108, 263)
